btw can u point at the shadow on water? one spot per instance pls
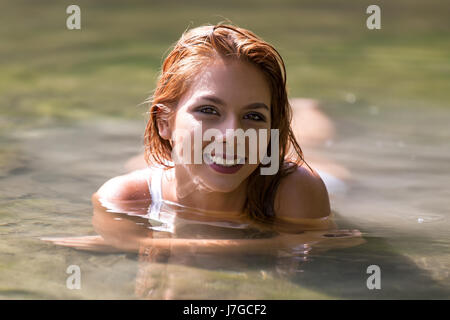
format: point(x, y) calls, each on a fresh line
point(343, 272)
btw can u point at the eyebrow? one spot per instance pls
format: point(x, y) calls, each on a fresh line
point(217, 100)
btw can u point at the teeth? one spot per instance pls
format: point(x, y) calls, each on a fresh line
point(224, 162)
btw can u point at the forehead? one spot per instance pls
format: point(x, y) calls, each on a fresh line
point(235, 82)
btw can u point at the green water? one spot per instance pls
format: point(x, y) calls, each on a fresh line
point(69, 120)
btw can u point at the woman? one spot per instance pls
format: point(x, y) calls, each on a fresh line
point(223, 78)
point(253, 197)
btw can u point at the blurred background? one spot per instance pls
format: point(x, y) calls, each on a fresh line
point(71, 116)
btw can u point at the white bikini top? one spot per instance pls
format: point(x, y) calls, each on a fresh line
point(165, 220)
point(155, 189)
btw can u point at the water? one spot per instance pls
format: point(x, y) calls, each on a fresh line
point(398, 198)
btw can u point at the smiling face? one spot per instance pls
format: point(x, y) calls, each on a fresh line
point(226, 94)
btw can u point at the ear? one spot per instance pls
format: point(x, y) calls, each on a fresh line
point(164, 128)
point(163, 123)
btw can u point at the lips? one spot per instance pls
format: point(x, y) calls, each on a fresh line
point(227, 170)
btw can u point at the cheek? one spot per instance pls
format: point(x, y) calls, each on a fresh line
point(183, 126)
point(183, 120)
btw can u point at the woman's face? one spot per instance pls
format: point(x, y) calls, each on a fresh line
point(226, 94)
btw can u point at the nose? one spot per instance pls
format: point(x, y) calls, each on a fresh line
point(229, 126)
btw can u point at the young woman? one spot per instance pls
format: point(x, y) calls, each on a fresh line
point(224, 78)
point(220, 79)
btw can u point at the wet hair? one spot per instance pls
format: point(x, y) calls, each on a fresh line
point(194, 50)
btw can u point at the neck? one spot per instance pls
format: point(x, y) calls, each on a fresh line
point(180, 187)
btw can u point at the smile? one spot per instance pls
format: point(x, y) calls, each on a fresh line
point(222, 164)
point(223, 160)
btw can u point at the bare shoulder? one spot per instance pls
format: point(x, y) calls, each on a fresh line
point(128, 187)
point(302, 194)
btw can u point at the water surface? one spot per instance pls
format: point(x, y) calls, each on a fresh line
point(397, 197)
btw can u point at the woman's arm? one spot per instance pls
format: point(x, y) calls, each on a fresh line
point(323, 240)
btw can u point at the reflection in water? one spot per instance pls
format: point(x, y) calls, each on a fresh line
point(187, 237)
point(386, 198)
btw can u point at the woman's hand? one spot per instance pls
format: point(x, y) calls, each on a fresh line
point(85, 243)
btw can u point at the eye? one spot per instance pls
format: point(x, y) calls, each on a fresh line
point(255, 116)
point(208, 110)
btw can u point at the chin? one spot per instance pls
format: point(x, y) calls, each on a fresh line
point(225, 183)
point(222, 186)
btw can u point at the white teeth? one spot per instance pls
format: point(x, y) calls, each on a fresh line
point(224, 162)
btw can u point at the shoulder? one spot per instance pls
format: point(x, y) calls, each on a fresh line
point(129, 187)
point(302, 194)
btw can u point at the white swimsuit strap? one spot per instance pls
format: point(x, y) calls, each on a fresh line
point(154, 213)
point(155, 190)
point(155, 193)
